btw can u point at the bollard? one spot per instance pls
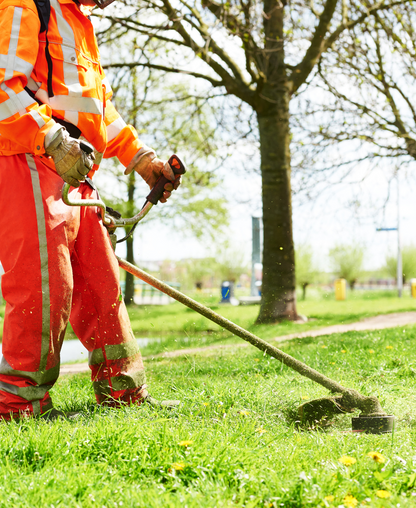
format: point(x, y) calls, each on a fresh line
point(340, 289)
point(226, 291)
point(413, 287)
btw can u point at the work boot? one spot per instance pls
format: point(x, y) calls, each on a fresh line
point(54, 414)
point(163, 404)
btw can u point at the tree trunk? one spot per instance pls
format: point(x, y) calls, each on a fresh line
point(272, 108)
point(278, 290)
point(129, 287)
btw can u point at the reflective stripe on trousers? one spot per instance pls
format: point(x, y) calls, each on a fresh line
point(59, 266)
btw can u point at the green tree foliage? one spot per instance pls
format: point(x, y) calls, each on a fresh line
point(305, 268)
point(170, 129)
point(408, 263)
point(225, 264)
point(347, 262)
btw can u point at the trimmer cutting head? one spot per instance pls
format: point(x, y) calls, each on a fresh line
point(373, 424)
point(317, 412)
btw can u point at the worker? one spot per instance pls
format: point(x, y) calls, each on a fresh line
point(58, 261)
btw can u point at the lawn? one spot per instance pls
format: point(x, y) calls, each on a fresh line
point(233, 441)
point(175, 326)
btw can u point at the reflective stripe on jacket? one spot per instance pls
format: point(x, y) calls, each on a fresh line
point(81, 91)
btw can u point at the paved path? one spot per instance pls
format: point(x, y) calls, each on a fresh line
point(371, 323)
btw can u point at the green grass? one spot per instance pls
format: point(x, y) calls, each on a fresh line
point(127, 457)
point(176, 327)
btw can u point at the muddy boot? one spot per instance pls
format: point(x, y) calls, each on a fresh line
point(163, 404)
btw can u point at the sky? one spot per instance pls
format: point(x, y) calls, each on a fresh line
point(341, 214)
point(347, 213)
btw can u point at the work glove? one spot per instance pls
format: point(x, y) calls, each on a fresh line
point(150, 168)
point(71, 162)
point(98, 156)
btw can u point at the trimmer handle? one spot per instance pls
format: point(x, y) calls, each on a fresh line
point(178, 168)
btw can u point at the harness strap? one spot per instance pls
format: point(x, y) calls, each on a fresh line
point(44, 11)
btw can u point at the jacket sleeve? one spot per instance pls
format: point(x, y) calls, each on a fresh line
point(22, 120)
point(122, 140)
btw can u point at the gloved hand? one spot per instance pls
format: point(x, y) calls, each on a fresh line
point(98, 155)
point(71, 162)
point(150, 168)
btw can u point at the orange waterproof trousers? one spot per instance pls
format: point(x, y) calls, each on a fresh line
point(59, 266)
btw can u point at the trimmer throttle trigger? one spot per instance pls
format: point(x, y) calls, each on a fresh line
point(86, 147)
point(178, 168)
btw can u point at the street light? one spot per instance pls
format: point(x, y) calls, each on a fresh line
point(255, 254)
point(399, 250)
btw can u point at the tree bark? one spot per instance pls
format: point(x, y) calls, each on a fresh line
point(279, 288)
point(129, 281)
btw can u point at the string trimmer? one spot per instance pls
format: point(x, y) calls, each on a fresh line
point(343, 400)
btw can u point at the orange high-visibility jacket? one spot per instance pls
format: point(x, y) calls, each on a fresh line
point(81, 91)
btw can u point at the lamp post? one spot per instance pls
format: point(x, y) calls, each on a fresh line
point(399, 274)
point(255, 253)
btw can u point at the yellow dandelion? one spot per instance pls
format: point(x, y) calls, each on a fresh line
point(205, 403)
point(383, 494)
point(389, 347)
point(305, 397)
point(260, 430)
point(343, 350)
point(371, 351)
point(185, 443)
point(347, 461)
point(332, 363)
point(244, 413)
point(324, 347)
point(377, 457)
point(350, 501)
point(256, 360)
point(178, 466)
point(329, 498)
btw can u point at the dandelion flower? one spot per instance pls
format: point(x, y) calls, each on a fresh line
point(347, 461)
point(350, 501)
point(205, 403)
point(371, 351)
point(185, 443)
point(383, 494)
point(260, 430)
point(343, 350)
point(389, 347)
point(377, 457)
point(323, 347)
point(244, 413)
point(178, 466)
point(256, 360)
point(329, 498)
point(305, 397)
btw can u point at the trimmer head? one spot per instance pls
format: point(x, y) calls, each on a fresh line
point(373, 424)
point(315, 413)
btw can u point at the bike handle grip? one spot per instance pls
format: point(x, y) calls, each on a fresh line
point(178, 168)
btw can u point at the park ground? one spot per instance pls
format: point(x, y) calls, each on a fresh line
point(234, 441)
